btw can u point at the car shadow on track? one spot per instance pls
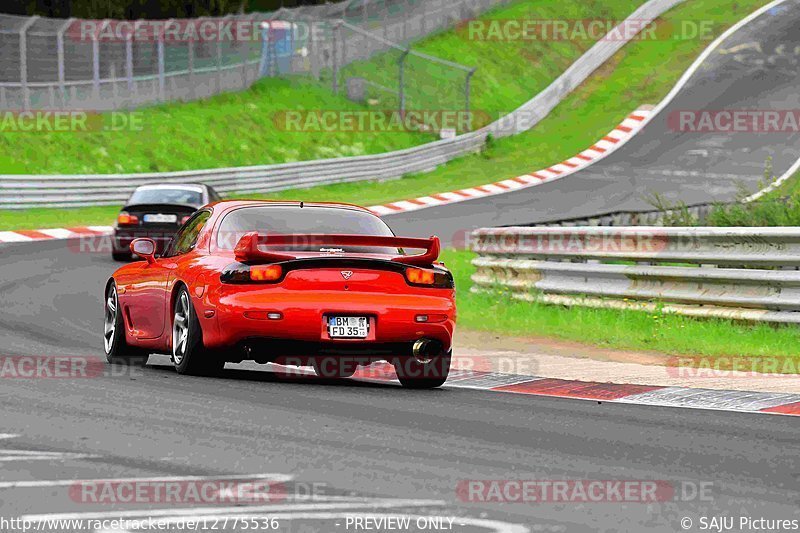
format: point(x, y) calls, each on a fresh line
point(269, 374)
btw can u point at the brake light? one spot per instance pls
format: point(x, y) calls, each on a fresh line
point(126, 219)
point(184, 219)
point(266, 272)
point(418, 276)
point(439, 279)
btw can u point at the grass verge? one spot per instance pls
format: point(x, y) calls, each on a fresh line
point(628, 330)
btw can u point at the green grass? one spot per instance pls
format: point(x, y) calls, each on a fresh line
point(57, 218)
point(628, 80)
point(628, 330)
point(233, 129)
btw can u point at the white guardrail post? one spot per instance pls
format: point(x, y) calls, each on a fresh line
point(753, 276)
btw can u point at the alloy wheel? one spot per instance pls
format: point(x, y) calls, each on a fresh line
point(180, 329)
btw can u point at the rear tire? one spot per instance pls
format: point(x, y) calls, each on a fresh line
point(415, 375)
point(189, 355)
point(115, 346)
point(122, 257)
point(334, 367)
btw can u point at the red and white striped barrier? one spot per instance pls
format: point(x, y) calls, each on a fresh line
point(53, 233)
point(602, 148)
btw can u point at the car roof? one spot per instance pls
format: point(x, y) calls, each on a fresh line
point(199, 187)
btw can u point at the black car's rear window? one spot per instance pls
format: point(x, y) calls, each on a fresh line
point(182, 196)
point(302, 220)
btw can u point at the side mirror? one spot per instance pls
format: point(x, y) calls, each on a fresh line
point(144, 248)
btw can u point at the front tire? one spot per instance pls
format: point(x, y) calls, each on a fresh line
point(115, 346)
point(189, 355)
point(415, 375)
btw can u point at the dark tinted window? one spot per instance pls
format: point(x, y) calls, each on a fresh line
point(288, 220)
point(183, 196)
point(187, 236)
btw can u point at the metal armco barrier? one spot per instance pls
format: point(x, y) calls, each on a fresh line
point(80, 190)
point(738, 273)
point(24, 191)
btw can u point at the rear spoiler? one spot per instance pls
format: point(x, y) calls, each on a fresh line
point(247, 249)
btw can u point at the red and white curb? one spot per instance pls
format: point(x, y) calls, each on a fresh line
point(696, 398)
point(602, 148)
point(53, 233)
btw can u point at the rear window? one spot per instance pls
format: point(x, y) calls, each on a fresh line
point(181, 196)
point(292, 220)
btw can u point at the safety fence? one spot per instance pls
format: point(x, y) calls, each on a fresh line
point(25, 191)
point(737, 273)
point(103, 65)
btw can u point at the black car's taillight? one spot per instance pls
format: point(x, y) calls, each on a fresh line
point(126, 219)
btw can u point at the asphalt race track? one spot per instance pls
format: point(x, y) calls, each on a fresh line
point(756, 68)
point(379, 450)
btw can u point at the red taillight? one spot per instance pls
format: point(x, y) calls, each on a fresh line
point(266, 272)
point(418, 276)
point(126, 219)
point(184, 219)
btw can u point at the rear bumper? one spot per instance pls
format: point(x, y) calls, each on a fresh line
point(123, 237)
point(240, 320)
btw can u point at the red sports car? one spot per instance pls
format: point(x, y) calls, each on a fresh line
point(326, 285)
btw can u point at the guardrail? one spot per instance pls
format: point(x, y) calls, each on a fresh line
point(81, 190)
point(738, 273)
point(24, 191)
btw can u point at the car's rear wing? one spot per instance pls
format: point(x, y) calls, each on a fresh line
point(247, 249)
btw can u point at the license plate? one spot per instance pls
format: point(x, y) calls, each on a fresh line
point(161, 219)
point(348, 326)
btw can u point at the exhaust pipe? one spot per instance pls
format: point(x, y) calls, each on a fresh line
point(424, 350)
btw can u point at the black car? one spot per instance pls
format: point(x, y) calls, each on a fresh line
point(156, 212)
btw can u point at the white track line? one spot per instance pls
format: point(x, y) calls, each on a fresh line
point(8, 436)
point(213, 512)
point(59, 457)
point(278, 478)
